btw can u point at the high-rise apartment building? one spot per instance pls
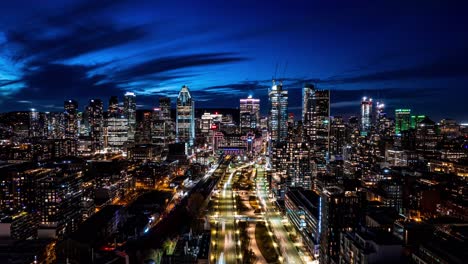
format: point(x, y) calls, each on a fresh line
point(95, 116)
point(298, 166)
point(339, 211)
point(58, 201)
point(337, 137)
point(71, 119)
point(316, 120)
point(366, 115)
point(278, 122)
point(34, 124)
point(185, 117)
point(130, 114)
point(249, 114)
point(55, 125)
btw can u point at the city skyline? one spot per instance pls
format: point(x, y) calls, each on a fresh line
point(233, 132)
point(408, 56)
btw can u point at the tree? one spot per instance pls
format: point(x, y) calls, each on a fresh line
point(195, 203)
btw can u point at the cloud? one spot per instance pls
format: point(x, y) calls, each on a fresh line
point(447, 67)
point(172, 63)
point(8, 82)
point(59, 81)
point(80, 11)
point(79, 40)
point(242, 88)
point(53, 57)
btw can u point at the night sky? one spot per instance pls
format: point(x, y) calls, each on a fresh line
point(410, 54)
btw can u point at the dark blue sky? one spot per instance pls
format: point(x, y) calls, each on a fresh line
point(411, 54)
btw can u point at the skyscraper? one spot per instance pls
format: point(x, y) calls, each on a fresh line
point(366, 115)
point(339, 210)
point(95, 117)
point(402, 120)
point(337, 137)
point(165, 106)
point(380, 111)
point(71, 119)
point(381, 120)
point(249, 113)
point(316, 119)
point(185, 117)
point(168, 122)
point(130, 114)
point(146, 127)
point(278, 124)
point(55, 125)
point(113, 108)
point(415, 120)
point(34, 128)
point(116, 132)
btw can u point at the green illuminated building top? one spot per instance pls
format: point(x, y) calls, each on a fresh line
point(415, 119)
point(402, 120)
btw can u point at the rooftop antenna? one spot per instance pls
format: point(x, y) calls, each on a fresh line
point(284, 70)
point(276, 70)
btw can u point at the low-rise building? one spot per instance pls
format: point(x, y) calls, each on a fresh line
point(365, 246)
point(19, 226)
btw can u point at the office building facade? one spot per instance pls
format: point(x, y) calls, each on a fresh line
point(130, 114)
point(71, 119)
point(249, 114)
point(278, 122)
point(316, 122)
point(366, 115)
point(185, 117)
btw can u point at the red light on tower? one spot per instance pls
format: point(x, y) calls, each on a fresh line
point(214, 127)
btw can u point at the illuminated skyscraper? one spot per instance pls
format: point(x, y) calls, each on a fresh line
point(316, 119)
point(278, 123)
point(402, 120)
point(116, 132)
point(130, 114)
point(146, 127)
point(113, 108)
point(34, 129)
point(95, 117)
point(249, 113)
point(185, 117)
point(55, 125)
point(165, 106)
point(337, 136)
point(71, 118)
point(366, 115)
point(381, 121)
point(415, 120)
point(168, 122)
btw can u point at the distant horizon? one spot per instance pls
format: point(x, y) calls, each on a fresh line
point(297, 112)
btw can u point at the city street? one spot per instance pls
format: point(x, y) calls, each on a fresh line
point(274, 219)
point(224, 233)
point(225, 215)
